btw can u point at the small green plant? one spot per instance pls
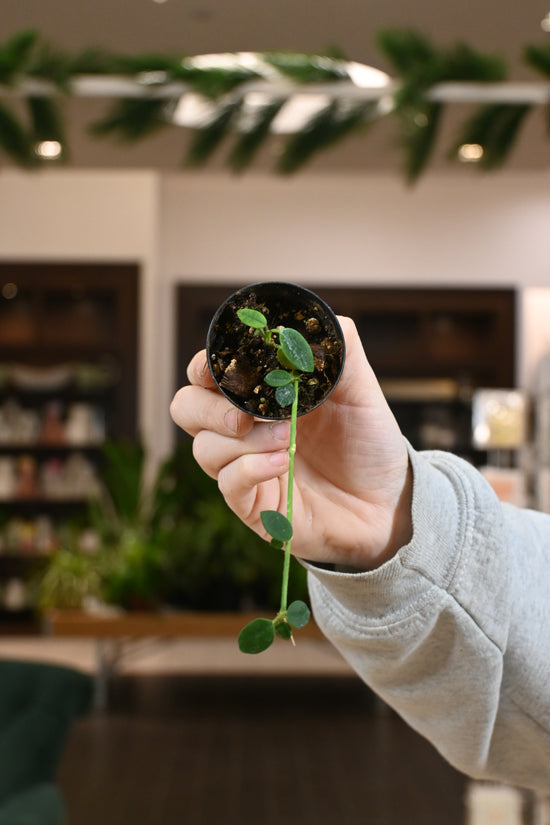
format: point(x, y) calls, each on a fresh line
point(295, 357)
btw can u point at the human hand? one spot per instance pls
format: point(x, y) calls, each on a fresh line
point(352, 481)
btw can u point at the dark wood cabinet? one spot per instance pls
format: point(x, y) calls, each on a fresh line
point(430, 348)
point(68, 382)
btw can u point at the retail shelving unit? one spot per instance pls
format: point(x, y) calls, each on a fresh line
point(68, 381)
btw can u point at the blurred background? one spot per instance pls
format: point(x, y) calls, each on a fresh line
point(111, 266)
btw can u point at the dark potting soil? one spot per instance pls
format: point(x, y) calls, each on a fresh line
point(239, 359)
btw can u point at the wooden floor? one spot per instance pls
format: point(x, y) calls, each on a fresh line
point(174, 750)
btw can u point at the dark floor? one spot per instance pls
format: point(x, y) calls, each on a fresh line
point(253, 751)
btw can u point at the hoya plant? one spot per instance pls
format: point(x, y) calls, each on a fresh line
point(276, 351)
point(296, 359)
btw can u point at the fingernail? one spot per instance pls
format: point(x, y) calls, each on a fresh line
point(280, 430)
point(278, 459)
point(231, 420)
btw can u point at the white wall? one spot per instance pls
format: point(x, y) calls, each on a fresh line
point(353, 229)
point(357, 229)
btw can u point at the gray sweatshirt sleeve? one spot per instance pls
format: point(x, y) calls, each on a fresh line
point(454, 631)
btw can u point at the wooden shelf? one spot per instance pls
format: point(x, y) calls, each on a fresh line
point(112, 633)
point(192, 624)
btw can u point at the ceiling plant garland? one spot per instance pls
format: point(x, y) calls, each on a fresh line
point(36, 80)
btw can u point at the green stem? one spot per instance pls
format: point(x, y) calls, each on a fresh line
point(290, 492)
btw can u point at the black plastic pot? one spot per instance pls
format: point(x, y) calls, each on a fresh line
point(239, 359)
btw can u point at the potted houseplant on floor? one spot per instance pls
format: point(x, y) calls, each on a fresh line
point(171, 545)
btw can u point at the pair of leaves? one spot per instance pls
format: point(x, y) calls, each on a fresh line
point(296, 352)
point(259, 634)
point(285, 390)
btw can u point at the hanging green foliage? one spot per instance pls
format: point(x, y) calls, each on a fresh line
point(14, 56)
point(46, 120)
point(538, 57)
point(253, 137)
point(133, 118)
point(327, 128)
point(205, 141)
point(303, 69)
point(421, 67)
point(44, 77)
point(495, 128)
point(15, 140)
point(212, 82)
point(419, 133)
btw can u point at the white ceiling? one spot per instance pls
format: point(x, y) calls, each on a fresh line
point(187, 27)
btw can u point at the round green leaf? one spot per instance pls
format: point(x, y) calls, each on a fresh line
point(285, 395)
point(283, 360)
point(276, 524)
point(277, 544)
point(296, 349)
point(256, 636)
point(284, 630)
point(278, 378)
point(252, 318)
point(298, 614)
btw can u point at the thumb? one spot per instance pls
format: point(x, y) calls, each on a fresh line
point(358, 384)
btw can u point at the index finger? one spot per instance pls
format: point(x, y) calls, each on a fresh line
point(196, 408)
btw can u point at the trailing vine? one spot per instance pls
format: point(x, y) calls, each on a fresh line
point(43, 78)
point(296, 359)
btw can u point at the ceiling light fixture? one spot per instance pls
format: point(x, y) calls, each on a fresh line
point(300, 106)
point(49, 149)
point(470, 152)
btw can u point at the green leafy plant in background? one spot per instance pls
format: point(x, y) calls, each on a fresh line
point(123, 566)
point(296, 358)
point(171, 543)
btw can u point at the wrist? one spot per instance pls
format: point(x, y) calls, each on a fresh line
point(401, 530)
point(395, 531)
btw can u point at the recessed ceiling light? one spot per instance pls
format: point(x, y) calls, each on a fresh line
point(48, 149)
point(470, 152)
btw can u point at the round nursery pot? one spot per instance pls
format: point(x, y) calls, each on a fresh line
point(239, 358)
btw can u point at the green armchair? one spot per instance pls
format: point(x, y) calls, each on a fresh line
point(38, 704)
